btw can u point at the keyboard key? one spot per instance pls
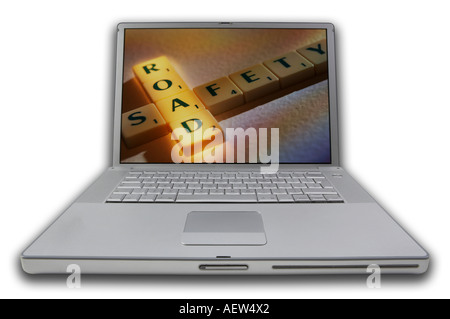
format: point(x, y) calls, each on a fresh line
point(129, 186)
point(317, 198)
point(165, 185)
point(285, 198)
point(326, 184)
point(147, 198)
point(142, 125)
point(221, 181)
point(137, 181)
point(298, 185)
point(165, 198)
point(220, 95)
point(279, 191)
point(216, 198)
point(179, 106)
point(267, 198)
point(131, 198)
point(186, 191)
point(314, 185)
point(319, 191)
point(139, 191)
point(201, 192)
point(217, 192)
point(333, 198)
point(255, 82)
point(316, 53)
point(301, 198)
point(132, 177)
point(170, 192)
point(290, 68)
point(123, 191)
point(314, 173)
point(115, 198)
point(154, 191)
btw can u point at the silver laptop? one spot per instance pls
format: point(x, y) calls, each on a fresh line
point(225, 161)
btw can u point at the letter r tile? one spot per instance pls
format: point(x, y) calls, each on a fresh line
point(151, 69)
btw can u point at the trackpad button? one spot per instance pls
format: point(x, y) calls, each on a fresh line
point(224, 228)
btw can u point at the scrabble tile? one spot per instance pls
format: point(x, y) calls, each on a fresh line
point(220, 95)
point(151, 69)
point(255, 82)
point(290, 68)
point(317, 54)
point(142, 125)
point(196, 130)
point(166, 85)
point(179, 106)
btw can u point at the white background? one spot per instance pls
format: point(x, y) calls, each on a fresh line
point(56, 97)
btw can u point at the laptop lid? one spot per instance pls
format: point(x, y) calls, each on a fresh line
point(273, 85)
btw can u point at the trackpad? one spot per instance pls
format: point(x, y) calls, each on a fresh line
point(224, 228)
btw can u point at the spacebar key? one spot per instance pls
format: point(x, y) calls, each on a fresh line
point(217, 198)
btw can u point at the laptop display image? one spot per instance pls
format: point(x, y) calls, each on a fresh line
point(230, 78)
point(225, 161)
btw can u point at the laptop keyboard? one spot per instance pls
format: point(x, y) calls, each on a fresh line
point(224, 187)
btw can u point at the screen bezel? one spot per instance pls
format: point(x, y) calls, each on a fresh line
point(219, 25)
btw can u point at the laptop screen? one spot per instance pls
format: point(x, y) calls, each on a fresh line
point(225, 96)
